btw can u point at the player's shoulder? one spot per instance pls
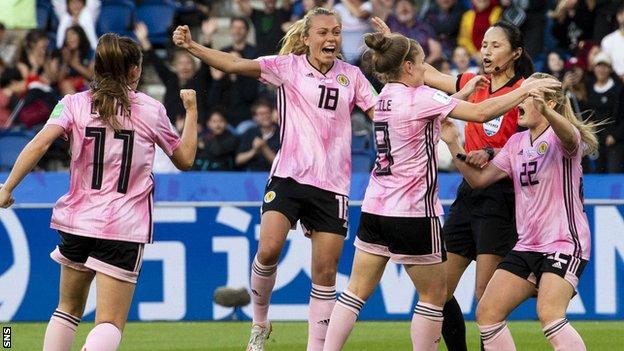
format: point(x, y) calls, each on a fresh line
point(146, 100)
point(518, 138)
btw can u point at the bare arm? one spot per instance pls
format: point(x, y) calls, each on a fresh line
point(222, 61)
point(561, 126)
point(355, 10)
point(439, 80)
point(245, 7)
point(184, 155)
point(381, 9)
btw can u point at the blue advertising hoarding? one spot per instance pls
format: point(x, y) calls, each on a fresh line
point(206, 230)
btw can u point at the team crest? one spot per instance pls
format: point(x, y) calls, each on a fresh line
point(342, 80)
point(542, 148)
point(270, 196)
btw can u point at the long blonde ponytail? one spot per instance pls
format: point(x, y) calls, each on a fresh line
point(587, 129)
point(292, 42)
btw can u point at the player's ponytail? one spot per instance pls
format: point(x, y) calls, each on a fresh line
point(114, 58)
point(292, 42)
point(388, 52)
point(563, 107)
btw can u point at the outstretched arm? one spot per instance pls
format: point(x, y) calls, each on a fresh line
point(561, 126)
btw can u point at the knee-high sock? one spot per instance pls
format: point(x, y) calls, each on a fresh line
point(426, 327)
point(60, 332)
point(497, 337)
point(322, 301)
point(562, 336)
point(262, 282)
point(342, 319)
point(453, 327)
point(104, 337)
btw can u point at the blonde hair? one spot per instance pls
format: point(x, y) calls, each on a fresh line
point(292, 42)
point(563, 107)
point(389, 52)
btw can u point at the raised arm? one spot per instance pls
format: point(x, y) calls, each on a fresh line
point(245, 7)
point(476, 177)
point(439, 80)
point(561, 126)
point(222, 61)
point(184, 155)
point(27, 160)
point(491, 108)
point(356, 10)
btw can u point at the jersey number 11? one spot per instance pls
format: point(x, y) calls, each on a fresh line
point(127, 137)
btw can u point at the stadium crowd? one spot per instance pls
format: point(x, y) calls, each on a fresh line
point(46, 55)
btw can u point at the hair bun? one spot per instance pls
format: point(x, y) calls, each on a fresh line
point(378, 42)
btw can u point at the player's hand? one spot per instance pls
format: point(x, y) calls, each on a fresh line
point(182, 37)
point(189, 98)
point(546, 85)
point(538, 101)
point(380, 25)
point(449, 132)
point(477, 158)
point(6, 199)
point(475, 83)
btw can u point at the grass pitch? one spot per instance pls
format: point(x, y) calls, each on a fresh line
point(293, 336)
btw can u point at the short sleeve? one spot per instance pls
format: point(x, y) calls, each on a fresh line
point(433, 104)
point(462, 79)
point(365, 94)
point(165, 134)
point(275, 69)
point(62, 115)
point(502, 160)
point(568, 154)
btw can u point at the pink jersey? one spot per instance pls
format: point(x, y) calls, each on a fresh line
point(315, 119)
point(111, 183)
point(548, 182)
point(407, 131)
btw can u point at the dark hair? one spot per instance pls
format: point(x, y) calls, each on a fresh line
point(241, 19)
point(2, 27)
point(620, 9)
point(259, 103)
point(389, 53)
point(84, 2)
point(84, 47)
point(217, 111)
point(9, 76)
point(114, 58)
point(34, 36)
point(523, 65)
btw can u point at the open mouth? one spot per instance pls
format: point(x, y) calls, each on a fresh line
point(520, 111)
point(487, 62)
point(329, 50)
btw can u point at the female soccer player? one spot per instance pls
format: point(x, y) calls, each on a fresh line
point(105, 219)
point(310, 175)
point(544, 164)
point(401, 206)
point(480, 224)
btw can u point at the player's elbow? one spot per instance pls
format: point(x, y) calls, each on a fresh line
point(184, 165)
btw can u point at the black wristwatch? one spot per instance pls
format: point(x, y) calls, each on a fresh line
point(490, 152)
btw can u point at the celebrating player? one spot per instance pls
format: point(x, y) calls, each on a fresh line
point(401, 206)
point(544, 164)
point(311, 173)
point(106, 217)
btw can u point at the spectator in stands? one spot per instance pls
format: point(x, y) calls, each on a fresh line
point(70, 13)
point(462, 63)
point(41, 96)
point(233, 93)
point(259, 145)
point(216, 147)
point(475, 23)
point(185, 74)
point(605, 13)
point(300, 7)
point(530, 17)
point(573, 84)
point(554, 65)
point(33, 54)
point(11, 87)
point(443, 65)
point(267, 24)
point(603, 98)
point(402, 18)
point(573, 22)
point(7, 49)
point(239, 30)
point(76, 62)
point(444, 16)
point(354, 15)
point(613, 44)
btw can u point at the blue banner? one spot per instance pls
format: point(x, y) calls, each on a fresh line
point(207, 225)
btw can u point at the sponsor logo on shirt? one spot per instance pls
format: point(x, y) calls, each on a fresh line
point(56, 113)
point(270, 196)
point(542, 148)
point(492, 127)
point(342, 80)
point(441, 98)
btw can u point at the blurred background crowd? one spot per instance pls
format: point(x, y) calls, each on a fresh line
point(47, 47)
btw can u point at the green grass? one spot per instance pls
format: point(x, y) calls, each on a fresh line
point(293, 335)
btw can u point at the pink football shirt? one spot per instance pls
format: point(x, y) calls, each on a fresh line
point(315, 119)
point(407, 130)
point(548, 182)
point(111, 183)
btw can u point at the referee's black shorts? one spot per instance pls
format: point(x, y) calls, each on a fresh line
point(481, 221)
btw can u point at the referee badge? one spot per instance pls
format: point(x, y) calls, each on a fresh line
point(342, 80)
point(270, 196)
point(542, 148)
